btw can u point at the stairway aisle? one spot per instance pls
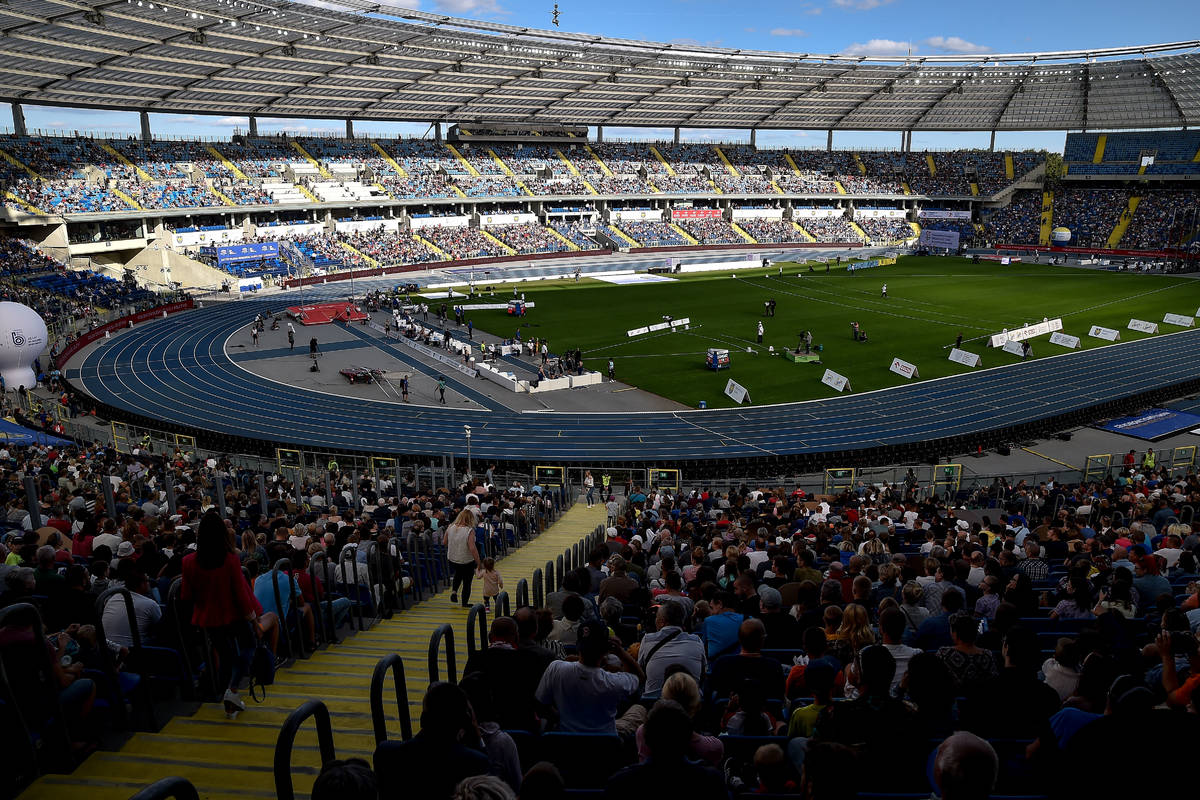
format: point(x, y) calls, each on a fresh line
point(233, 759)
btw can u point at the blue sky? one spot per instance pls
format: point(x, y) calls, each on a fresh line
point(877, 27)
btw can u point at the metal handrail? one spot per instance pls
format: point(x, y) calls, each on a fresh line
point(324, 609)
point(179, 788)
point(287, 739)
point(435, 642)
point(394, 663)
point(502, 607)
point(538, 597)
point(476, 616)
point(522, 593)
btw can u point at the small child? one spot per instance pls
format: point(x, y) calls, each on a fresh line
point(492, 582)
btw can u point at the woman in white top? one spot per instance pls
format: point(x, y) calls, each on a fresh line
point(589, 483)
point(462, 554)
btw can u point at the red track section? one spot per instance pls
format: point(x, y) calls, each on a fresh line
point(324, 313)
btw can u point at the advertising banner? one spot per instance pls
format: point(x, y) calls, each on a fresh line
point(247, 251)
point(902, 367)
point(1153, 424)
point(947, 240)
point(963, 357)
point(695, 213)
point(736, 392)
point(941, 213)
point(1180, 320)
point(1063, 340)
point(1108, 334)
point(835, 381)
point(1142, 326)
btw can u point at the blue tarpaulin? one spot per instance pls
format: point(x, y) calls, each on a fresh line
point(12, 433)
point(1153, 424)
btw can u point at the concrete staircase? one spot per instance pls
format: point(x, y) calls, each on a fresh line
point(1118, 231)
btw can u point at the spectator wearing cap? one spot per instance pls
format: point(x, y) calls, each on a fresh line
point(670, 647)
point(585, 694)
point(782, 630)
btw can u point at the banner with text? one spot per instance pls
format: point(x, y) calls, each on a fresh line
point(1180, 320)
point(695, 213)
point(942, 213)
point(736, 392)
point(1153, 424)
point(1108, 334)
point(1142, 326)
point(252, 251)
point(1064, 340)
point(903, 368)
point(1026, 332)
point(947, 240)
point(835, 381)
point(965, 358)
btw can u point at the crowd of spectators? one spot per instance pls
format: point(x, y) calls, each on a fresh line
point(529, 237)
point(429, 185)
point(1162, 219)
point(885, 230)
point(711, 230)
point(744, 183)
point(878, 641)
point(1019, 222)
point(829, 229)
point(650, 234)
point(771, 230)
point(559, 185)
point(463, 242)
point(389, 246)
point(682, 183)
point(1090, 214)
point(488, 186)
point(574, 232)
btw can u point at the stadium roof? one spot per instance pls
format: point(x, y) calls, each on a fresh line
point(361, 60)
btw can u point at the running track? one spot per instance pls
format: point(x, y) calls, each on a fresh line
point(177, 371)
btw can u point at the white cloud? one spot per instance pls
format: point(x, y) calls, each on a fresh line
point(955, 44)
point(788, 32)
point(879, 47)
point(465, 7)
point(813, 12)
point(232, 121)
point(861, 5)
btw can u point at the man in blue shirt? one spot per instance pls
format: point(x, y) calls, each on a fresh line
point(720, 630)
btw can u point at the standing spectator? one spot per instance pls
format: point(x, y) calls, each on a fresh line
point(463, 555)
point(221, 604)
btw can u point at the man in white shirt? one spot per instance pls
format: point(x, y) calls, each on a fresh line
point(587, 693)
point(146, 612)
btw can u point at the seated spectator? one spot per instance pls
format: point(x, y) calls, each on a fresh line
point(721, 629)
point(728, 672)
point(349, 779)
point(970, 666)
point(667, 772)
point(503, 761)
point(443, 753)
point(965, 768)
point(683, 689)
point(1017, 705)
point(670, 647)
point(502, 663)
point(585, 694)
point(146, 611)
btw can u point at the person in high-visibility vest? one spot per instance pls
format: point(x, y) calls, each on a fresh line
point(605, 484)
point(332, 466)
point(146, 442)
point(1148, 459)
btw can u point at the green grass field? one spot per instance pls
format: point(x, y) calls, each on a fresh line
point(930, 301)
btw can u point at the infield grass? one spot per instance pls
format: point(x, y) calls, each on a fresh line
point(930, 301)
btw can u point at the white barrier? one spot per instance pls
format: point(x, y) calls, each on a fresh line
point(719, 266)
point(586, 379)
point(1014, 347)
point(550, 385)
point(1026, 332)
point(1064, 340)
point(1108, 334)
point(1180, 320)
point(506, 379)
point(835, 381)
point(1142, 326)
point(904, 368)
point(492, 306)
point(965, 358)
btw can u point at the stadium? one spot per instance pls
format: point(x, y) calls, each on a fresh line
point(622, 417)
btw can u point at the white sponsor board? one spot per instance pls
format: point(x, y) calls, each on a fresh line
point(637, 214)
point(1014, 347)
point(675, 323)
point(1142, 325)
point(1179, 319)
point(658, 326)
point(947, 240)
point(661, 326)
point(193, 238)
point(491, 306)
point(1109, 334)
point(1064, 340)
point(637, 331)
point(938, 213)
point(902, 367)
point(963, 357)
point(439, 222)
point(1026, 332)
point(835, 381)
point(507, 219)
point(722, 266)
point(367, 225)
point(758, 213)
point(817, 213)
point(879, 213)
point(736, 392)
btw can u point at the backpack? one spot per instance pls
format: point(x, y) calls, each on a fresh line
point(262, 672)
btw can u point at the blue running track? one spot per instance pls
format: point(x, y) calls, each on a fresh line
point(177, 371)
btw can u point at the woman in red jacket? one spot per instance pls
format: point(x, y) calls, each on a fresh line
point(222, 604)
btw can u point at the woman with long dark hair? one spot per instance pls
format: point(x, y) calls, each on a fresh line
point(221, 604)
